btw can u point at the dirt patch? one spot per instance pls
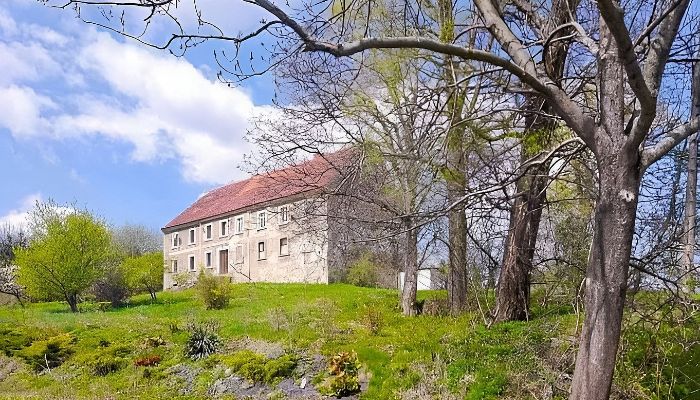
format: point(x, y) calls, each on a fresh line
point(7, 367)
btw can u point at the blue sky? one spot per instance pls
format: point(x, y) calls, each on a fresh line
point(131, 133)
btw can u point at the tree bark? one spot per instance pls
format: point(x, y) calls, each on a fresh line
point(606, 276)
point(410, 283)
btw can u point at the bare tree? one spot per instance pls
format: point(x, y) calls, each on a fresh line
point(11, 238)
point(623, 48)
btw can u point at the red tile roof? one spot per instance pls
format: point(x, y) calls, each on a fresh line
point(321, 172)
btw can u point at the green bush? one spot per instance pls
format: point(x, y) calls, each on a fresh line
point(364, 272)
point(343, 376)
point(203, 340)
point(49, 353)
point(12, 340)
point(214, 291)
point(258, 368)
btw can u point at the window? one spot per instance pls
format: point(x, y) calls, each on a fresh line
point(173, 266)
point(239, 254)
point(192, 235)
point(207, 259)
point(223, 228)
point(239, 224)
point(175, 239)
point(261, 250)
point(207, 231)
point(284, 247)
point(284, 214)
point(191, 262)
point(262, 220)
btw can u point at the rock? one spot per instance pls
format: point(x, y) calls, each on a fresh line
point(186, 375)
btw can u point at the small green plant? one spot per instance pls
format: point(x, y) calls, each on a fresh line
point(49, 353)
point(343, 379)
point(203, 340)
point(214, 291)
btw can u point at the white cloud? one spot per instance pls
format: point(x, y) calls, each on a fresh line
point(21, 111)
point(161, 105)
point(18, 218)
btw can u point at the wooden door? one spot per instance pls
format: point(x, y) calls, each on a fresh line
point(223, 262)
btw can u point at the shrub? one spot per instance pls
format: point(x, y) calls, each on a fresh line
point(363, 272)
point(203, 340)
point(49, 353)
point(281, 367)
point(112, 286)
point(148, 361)
point(214, 291)
point(14, 340)
point(343, 376)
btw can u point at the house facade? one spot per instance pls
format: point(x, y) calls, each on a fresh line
point(275, 227)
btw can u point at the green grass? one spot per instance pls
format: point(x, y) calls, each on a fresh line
point(456, 356)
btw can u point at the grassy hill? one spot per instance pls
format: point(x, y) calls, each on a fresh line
point(423, 357)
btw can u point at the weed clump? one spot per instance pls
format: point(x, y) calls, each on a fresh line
point(343, 375)
point(372, 318)
point(214, 291)
point(106, 364)
point(203, 340)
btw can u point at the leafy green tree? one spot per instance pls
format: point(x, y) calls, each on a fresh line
point(145, 272)
point(66, 253)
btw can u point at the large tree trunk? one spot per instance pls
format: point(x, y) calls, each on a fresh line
point(607, 272)
point(410, 283)
point(513, 297)
point(606, 277)
point(513, 292)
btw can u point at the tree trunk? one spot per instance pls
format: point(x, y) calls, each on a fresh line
point(153, 295)
point(72, 300)
point(457, 277)
point(410, 283)
point(606, 280)
point(513, 293)
point(688, 259)
point(614, 221)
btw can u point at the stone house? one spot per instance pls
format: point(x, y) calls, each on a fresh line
point(281, 226)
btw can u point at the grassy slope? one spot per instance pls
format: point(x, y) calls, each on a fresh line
point(451, 356)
